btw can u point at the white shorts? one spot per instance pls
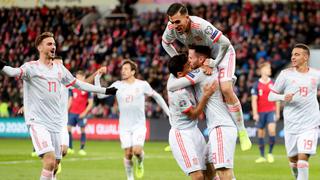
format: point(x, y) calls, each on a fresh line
point(208, 154)
point(188, 148)
point(303, 143)
point(223, 141)
point(130, 138)
point(44, 141)
point(65, 136)
point(227, 66)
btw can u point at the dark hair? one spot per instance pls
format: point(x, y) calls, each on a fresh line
point(176, 63)
point(133, 65)
point(175, 8)
point(200, 49)
point(41, 37)
point(304, 47)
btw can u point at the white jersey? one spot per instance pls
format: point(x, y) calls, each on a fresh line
point(180, 102)
point(201, 33)
point(216, 110)
point(64, 103)
point(131, 101)
point(42, 93)
point(302, 113)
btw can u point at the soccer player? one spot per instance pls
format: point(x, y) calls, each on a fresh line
point(297, 87)
point(132, 121)
point(42, 100)
point(222, 129)
point(186, 140)
point(265, 113)
point(193, 30)
point(80, 104)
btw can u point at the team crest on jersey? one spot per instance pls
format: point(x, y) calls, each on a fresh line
point(182, 103)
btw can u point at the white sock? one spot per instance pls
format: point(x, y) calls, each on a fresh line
point(294, 170)
point(46, 175)
point(140, 157)
point(237, 116)
point(128, 165)
point(303, 170)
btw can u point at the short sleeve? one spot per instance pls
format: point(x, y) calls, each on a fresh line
point(25, 71)
point(210, 31)
point(279, 85)
point(254, 89)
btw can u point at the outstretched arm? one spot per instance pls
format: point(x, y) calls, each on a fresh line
point(97, 83)
point(169, 48)
point(162, 103)
point(95, 89)
point(10, 71)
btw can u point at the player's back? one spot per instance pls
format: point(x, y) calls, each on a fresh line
point(216, 111)
point(302, 112)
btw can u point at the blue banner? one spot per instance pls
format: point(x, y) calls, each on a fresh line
point(13, 128)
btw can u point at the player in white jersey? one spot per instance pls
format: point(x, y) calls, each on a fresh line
point(132, 121)
point(222, 130)
point(42, 100)
point(297, 87)
point(193, 30)
point(186, 140)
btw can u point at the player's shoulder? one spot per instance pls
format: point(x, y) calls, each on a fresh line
point(196, 73)
point(314, 70)
point(287, 71)
point(32, 63)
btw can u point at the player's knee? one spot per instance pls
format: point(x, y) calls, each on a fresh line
point(49, 163)
point(224, 174)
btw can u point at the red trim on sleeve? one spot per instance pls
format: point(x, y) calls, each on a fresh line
point(217, 38)
point(72, 83)
point(166, 42)
point(190, 79)
point(187, 110)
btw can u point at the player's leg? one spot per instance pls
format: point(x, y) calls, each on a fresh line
point(210, 172)
point(138, 138)
point(290, 141)
point(42, 143)
point(82, 124)
point(261, 134)
point(57, 144)
point(226, 77)
point(196, 175)
point(223, 143)
point(307, 145)
point(126, 144)
point(272, 135)
point(72, 122)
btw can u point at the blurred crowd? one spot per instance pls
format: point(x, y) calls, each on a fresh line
point(259, 32)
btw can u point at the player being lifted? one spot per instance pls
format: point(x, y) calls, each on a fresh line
point(193, 30)
point(132, 121)
point(42, 100)
point(297, 87)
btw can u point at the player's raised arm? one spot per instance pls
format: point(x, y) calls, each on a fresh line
point(276, 91)
point(10, 71)
point(97, 83)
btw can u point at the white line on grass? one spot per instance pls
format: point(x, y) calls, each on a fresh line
point(82, 159)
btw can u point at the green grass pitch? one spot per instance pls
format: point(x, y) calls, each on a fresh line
point(104, 162)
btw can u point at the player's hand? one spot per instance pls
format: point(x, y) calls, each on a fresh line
point(111, 91)
point(209, 89)
point(255, 117)
point(102, 70)
point(207, 70)
point(288, 97)
point(20, 111)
